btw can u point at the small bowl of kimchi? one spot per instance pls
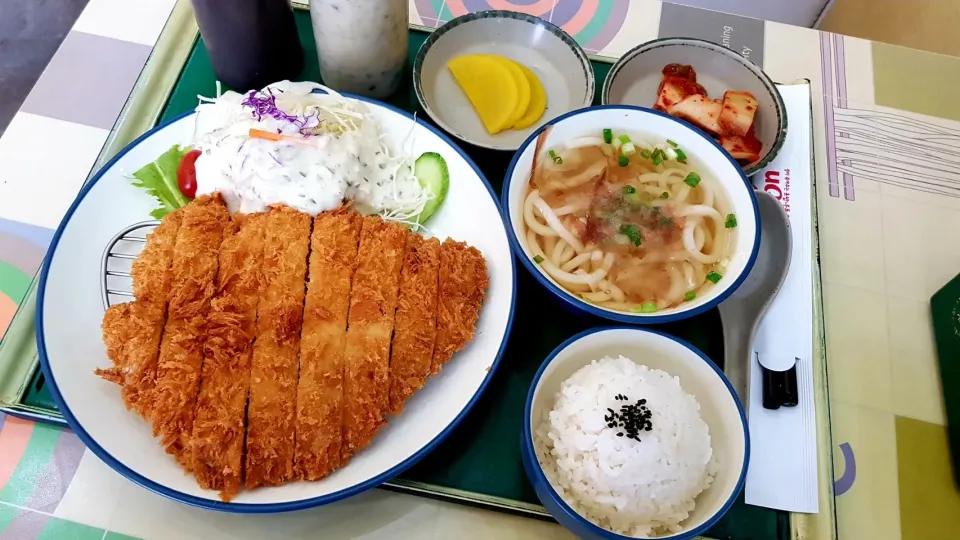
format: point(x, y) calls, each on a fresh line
point(715, 89)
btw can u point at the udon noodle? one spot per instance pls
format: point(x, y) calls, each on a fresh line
point(626, 223)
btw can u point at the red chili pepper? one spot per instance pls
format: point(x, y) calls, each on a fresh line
point(187, 174)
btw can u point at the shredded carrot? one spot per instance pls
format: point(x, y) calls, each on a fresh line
point(261, 134)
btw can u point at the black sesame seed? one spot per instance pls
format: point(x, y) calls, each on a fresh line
point(633, 418)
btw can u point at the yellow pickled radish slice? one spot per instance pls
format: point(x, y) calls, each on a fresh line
point(523, 87)
point(489, 86)
point(538, 100)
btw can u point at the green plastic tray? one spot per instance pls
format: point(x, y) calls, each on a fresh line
point(479, 464)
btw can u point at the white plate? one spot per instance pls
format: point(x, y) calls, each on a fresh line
point(70, 310)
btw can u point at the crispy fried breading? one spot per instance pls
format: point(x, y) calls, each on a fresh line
point(415, 329)
point(132, 331)
point(268, 348)
point(333, 260)
point(220, 423)
point(273, 379)
point(195, 264)
point(373, 302)
point(151, 270)
point(463, 284)
point(116, 328)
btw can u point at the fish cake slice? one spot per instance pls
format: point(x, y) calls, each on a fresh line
point(220, 424)
point(333, 260)
point(195, 264)
point(132, 331)
point(273, 375)
point(463, 285)
point(373, 302)
point(415, 328)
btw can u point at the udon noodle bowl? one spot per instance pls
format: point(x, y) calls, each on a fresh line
point(627, 222)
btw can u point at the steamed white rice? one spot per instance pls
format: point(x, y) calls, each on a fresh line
point(641, 489)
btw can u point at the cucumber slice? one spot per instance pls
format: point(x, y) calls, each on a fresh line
point(431, 171)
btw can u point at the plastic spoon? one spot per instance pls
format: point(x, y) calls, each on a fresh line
point(742, 311)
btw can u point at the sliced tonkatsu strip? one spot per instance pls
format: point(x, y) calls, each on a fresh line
point(195, 263)
point(117, 330)
point(273, 377)
point(220, 423)
point(132, 330)
point(415, 329)
point(463, 284)
point(333, 260)
point(373, 302)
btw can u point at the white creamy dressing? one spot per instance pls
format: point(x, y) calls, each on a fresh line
point(331, 151)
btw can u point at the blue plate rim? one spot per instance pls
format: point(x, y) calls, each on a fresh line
point(249, 508)
point(586, 306)
point(538, 476)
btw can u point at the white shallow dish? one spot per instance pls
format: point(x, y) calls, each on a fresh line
point(558, 61)
point(69, 311)
point(706, 156)
point(719, 407)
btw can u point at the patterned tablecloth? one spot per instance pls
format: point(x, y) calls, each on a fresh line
point(887, 137)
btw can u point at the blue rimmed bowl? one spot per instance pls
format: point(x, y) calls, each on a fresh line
point(553, 55)
point(719, 407)
point(706, 155)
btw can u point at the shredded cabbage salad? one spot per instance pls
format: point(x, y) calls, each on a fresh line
point(304, 145)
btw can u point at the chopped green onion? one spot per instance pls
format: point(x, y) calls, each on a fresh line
point(608, 136)
point(628, 149)
point(623, 161)
point(631, 232)
point(645, 154)
point(657, 156)
point(671, 143)
point(629, 190)
point(665, 195)
point(714, 277)
point(670, 153)
point(646, 307)
point(556, 159)
point(681, 157)
point(537, 259)
point(665, 221)
point(731, 221)
point(692, 179)
point(624, 139)
point(690, 295)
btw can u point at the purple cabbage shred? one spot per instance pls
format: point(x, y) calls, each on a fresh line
point(266, 105)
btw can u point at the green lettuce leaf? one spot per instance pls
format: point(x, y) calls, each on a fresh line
point(160, 180)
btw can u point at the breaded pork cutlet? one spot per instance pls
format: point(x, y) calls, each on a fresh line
point(333, 260)
point(195, 263)
point(415, 328)
point(463, 285)
point(373, 302)
point(132, 330)
point(273, 377)
point(220, 423)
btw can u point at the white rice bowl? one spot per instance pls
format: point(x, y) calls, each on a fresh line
point(641, 489)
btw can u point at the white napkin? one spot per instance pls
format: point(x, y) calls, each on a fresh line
point(783, 442)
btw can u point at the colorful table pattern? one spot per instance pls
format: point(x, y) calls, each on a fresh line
point(887, 134)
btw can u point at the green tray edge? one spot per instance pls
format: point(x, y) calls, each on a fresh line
point(19, 358)
point(146, 103)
